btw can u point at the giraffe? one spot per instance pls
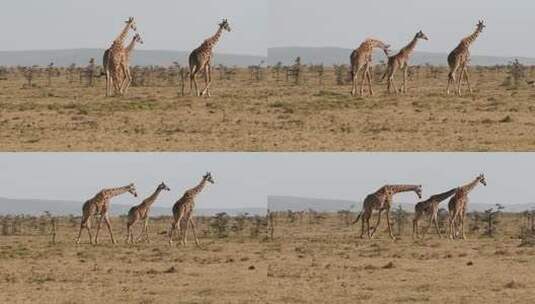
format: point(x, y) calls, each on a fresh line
point(381, 200)
point(429, 207)
point(459, 58)
point(99, 205)
point(361, 59)
point(457, 206)
point(401, 61)
point(111, 57)
point(141, 212)
point(183, 210)
point(200, 59)
point(126, 76)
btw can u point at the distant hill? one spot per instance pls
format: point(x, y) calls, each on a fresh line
point(140, 57)
point(335, 55)
point(283, 203)
point(37, 207)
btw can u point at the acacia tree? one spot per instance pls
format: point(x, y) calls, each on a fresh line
point(491, 219)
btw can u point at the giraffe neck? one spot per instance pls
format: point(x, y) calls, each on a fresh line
point(151, 199)
point(116, 191)
point(402, 188)
point(470, 186)
point(130, 46)
point(410, 47)
point(444, 195)
point(197, 189)
point(122, 36)
point(212, 41)
point(470, 39)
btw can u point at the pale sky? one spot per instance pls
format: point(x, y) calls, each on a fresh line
point(258, 24)
point(164, 24)
point(345, 23)
point(246, 179)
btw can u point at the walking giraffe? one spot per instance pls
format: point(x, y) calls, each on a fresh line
point(459, 58)
point(183, 210)
point(201, 57)
point(429, 207)
point(381, 200)
point(125, 74)
point(401, 61)
point(457, 206)
point(112, 56)
point(141, 212)
point(361, 59)
point(99, 205)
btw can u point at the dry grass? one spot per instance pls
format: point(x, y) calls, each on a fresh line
point(305, 263)
point(246, 115)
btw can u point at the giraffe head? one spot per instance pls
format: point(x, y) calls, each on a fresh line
point(421, 35)
point(163, 186)
point(418, 191)
point(481, 179)
point(225, 25)
point(480, 25)
point(132, 189)
point(138, 39)
point(131, 23)
point(208, 177)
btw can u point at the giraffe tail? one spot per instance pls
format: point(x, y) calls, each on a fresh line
point(357, 219)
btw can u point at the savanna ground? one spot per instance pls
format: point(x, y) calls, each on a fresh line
point(269, 115)
point(308, 260)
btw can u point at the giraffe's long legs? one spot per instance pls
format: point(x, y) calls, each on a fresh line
point(389, 224)
point(356, 71)
point(175, 226)
point(127, 80)
point(108, 83)
point(435, 220)
point(128, 232)
point(108, 224)
point(463, 217)
point(208, 79)
point(86, 223)
point(415, 226)
point(467, 78)
point(391, 85)
point(363, 78)
point(192, 223)
point(451, 78)
point(193, 80)
point(100, 219)
point(460, 80)
point(376, 224)
point(363, 219)
point(369, 79)
point(144, 231)
point(405, 74)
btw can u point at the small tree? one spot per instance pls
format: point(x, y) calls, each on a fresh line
point(219, 224)
point(491, 219)
point(400, 216)
point(239, 223)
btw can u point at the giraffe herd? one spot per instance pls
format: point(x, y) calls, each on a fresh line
point(116, 60)
point(99, 205)
point(458, 59)
point(380, 200)
point(118, 77)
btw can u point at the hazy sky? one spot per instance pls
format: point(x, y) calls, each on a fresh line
point(164, 24)
point(346, 23)
point(245, 179)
